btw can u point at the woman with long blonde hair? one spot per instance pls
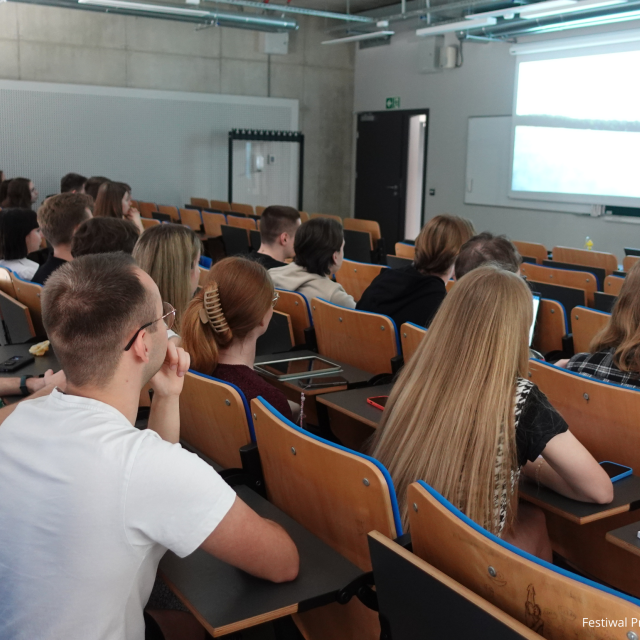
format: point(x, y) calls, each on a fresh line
point(464, 417)
point(614, 353)
point(170, 254)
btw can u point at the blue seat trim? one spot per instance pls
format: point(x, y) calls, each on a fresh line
point(368, 264)
point(564, 313)
point(603, 313)
point(381, 467)
point(23, 280)
point(305, 301)
point(523, 554)
point(417, 326)
point(371, 313)
point(205, 262)
point(247, 409)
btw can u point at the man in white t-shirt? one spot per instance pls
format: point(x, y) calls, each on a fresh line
point(88, 503)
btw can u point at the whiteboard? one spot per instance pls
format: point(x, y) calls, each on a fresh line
point(169, 146)
point(489, 168)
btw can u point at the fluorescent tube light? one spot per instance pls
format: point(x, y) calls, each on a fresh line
point(142, 6)
point(360, 37)
point(509, 13)
point(457, 26)
point(579, 42)
point(587, 22)
point(583, 5)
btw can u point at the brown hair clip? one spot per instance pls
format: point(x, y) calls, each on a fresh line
point(211, 311)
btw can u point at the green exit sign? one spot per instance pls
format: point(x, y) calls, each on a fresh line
point(393, 103)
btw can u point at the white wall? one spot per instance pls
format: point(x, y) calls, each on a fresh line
point(483, 86)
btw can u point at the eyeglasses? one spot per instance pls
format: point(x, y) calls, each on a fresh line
point(276, 297)
point(168, 315)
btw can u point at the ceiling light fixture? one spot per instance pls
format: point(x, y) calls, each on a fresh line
point(360, 37)
point(141, 6)
point(463, 25)
point(584, 5)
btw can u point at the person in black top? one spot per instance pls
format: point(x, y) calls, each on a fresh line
point(278, 226)
point(414, 293)
point(59, 217)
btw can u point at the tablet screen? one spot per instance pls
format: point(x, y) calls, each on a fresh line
point(303, 365)
point(536, 304)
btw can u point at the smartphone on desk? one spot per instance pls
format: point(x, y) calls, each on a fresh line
point(379, 402)
point(15, 362)
point(321, 382)
point(616, 471)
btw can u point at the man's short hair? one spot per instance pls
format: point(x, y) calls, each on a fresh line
point(316, 242)
point(104, 235)
point(484, 248)
point(60, 215)
point(72, 182)
point(91, 307)
point(276, 220)
point(93, 184)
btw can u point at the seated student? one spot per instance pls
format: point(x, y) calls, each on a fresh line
point(464, 417)
point(614, 353)
point(59, 217)
point(19, 236)
point(278, 226)
point(104, 235)
point(414, 293)
point(72, 182)
point(92, 185)
point(170, 254)
point(223, 323)
point(484, 248)
point(21, 194)
point(114, 201)
point(90, 503)
point(319, 251)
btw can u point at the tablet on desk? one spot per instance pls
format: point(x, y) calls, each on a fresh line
point(294, 368)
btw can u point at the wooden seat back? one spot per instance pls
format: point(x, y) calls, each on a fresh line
point(147, 208)
point(199, 202)
point(278, 338)
point(613, 284)
point(295, 305)
point(606, 261)
point(135, 205)
point(220, 205)
point(242, 223)
point(553, 602)
point(28, 293)
point(17, 323)
point(147, 223)
point(304, 216)
point(576, 279)
point(326, 215)
point(355, 277)
point(191, 218)
point(532, 250)
point(6, 282)
point(364, 340)
point(551, 326)
point(404, 250)
point(170, 211)
point(585, 324)
point(368, 226)
point(259, 210)
point(214, 418)
point(411, 336)
point(338, 495)
point(629, 261)
point(245, 209)
point(212, 223)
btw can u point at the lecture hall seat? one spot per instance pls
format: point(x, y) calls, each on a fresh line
point(613, 284)
point(28, 293)
point(563, 277)
point(355, 277)
point(585, 325)
point(531, 250)
point(606, 261)
point(367, 226)
point(296, 306)
point(170, 211)
point(411, 336)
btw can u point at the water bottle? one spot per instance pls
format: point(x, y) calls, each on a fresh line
point(588, 243)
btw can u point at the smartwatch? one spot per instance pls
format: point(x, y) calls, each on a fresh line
point(23, 385)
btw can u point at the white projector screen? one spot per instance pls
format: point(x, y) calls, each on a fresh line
point(576, 126)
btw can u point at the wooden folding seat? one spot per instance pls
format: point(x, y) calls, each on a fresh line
point(235, 240)
point(6, 282)
point(199, 202)
point(575, 279)
point(551, 326)
point(604, 417)
point(532, 250)
point(215, 418)
point(549, 600)
point(242, 223)
point(135, 205)
point(244, 209)
point(147, 223)
point(191, 218)
point(337, 494)
point(355, 277)
point(585, 324)
point(212, 223)
point(296, 306)
point(147, 208)
point(398, 262)
point(28, 293)
point(367, 226)
point(449, 284)
point(326, 215)
point(16, 320)
point(613, 284)
point(278, 338)
point(404, 250)
point(259, 210)
point(220, 205)
point(628, 262)
point(606, 261)
point(304, 216)
point(170, 211)
point(411, 336)
point(368, 341)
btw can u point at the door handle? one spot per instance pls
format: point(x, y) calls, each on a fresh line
point(393, 186)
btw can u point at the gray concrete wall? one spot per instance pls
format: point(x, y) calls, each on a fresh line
point(49, 44)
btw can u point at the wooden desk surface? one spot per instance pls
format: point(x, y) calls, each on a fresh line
point(626, 537)
point(225, 599)
point(353, 403)
point(626, 497)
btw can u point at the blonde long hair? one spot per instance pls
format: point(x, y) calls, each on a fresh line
point(452, 407)
point(167, 253)
point(622, 332)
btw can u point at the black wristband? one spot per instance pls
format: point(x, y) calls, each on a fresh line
point(23, 385)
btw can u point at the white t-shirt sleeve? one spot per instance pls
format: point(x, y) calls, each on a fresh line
point(173, 497)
